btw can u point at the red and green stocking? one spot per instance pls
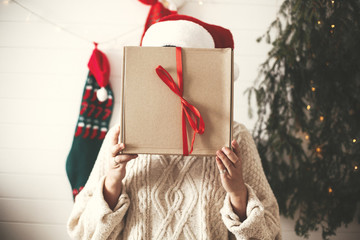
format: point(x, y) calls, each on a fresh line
point(93, 122)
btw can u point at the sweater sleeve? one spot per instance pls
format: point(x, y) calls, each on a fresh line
point(262, 211)
point(91, 217)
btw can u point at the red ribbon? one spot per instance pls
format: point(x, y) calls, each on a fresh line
point(189, 111)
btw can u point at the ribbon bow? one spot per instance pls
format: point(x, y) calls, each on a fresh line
point(188, 110)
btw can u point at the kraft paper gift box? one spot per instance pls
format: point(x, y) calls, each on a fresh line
point(151, 112)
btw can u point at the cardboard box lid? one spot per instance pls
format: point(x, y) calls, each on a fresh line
point(151, 113)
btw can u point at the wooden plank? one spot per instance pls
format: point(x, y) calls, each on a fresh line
point(53, 61)
point(12, 12)
point(45, 35)
point(37, 60)
point(33, 162)
point(111, 11)
point(246, 44)
point(35, 211)
point(30, 186)
point(18, 231)
point(254, 17)
point(39, 111)
point(25, 137)
point(90, 11)
point(237, 2)
point(43, 86)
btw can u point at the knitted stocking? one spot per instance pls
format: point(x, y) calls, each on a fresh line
point(93, 122)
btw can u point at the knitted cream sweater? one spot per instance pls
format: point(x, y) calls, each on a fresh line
point(175, 197)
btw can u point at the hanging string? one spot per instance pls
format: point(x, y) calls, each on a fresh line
point(71, 32)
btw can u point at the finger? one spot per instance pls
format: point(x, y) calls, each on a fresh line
point(237, 151)
point(230, 154)
point(236, 147)
point(124, 158)
point(115, 138)
point(227, 163)
point(220, 166)
point(116, 149)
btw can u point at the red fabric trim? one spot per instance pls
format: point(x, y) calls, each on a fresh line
point(99, 67)
point(148, 2)
point(156, 12)
point(222, 36)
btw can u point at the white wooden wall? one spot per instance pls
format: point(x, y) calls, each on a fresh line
point(42, 74)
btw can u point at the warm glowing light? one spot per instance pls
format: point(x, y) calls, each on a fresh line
point(307, 137)
point(308, 107)
point(318, 150)
point(319, 22)
point(332, 25)
point(165, 3)
point(356, 168)
point(354, 140)
point(201, 2)
point(321, 118)
point(313, 89)
point(28, 17)
point(6, 2)
point(330, 190)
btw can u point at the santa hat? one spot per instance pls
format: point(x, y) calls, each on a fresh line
point(185, 31)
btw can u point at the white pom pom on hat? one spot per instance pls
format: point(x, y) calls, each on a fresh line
point(102, 94)
point(185, 31)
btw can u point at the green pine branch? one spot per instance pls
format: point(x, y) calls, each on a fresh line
point(308, 110)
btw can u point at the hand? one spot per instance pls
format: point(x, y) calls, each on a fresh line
point(117, 162)
point(117, 168)
point(230, 166)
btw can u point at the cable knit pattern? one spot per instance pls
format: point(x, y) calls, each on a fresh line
point(175, 197)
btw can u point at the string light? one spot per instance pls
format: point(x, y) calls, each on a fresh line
point(330, 190)
point(28, 17)
point(332, 28)
point(321, 118)
point(201, 2)
point(354, 140)
point(356, 168)
point(165, 3)
point(319, 22)
point(307, 137)
point(60, 28)
point(318, 150)
point(313, 89)
point(308, 107)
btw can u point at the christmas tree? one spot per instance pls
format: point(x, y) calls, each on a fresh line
point(308, 99)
